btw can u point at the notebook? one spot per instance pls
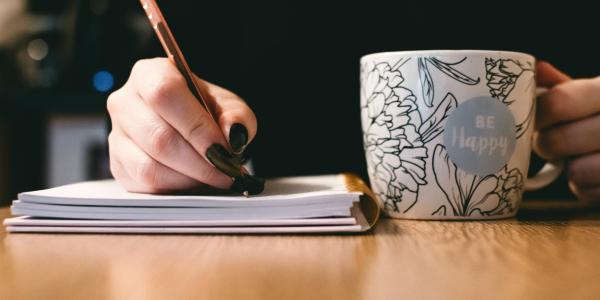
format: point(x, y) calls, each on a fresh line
point(328, 203)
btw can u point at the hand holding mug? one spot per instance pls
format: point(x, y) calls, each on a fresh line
point(568, 127)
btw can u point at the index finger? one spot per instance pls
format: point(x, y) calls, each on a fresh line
point(548, 75)
point(569, 101)
point(160, 85)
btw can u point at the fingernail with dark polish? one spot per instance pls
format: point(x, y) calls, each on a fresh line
point(252, 184)
point(228, 164)
point(238, 137)
point(223, 160)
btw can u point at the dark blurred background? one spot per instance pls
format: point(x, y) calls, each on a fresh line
point(295, 62)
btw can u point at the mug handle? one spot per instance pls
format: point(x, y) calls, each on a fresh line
point(550, 171)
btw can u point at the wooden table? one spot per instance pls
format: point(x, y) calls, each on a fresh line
point(540, 255)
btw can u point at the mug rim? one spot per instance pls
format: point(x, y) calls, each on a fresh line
point(470, 52)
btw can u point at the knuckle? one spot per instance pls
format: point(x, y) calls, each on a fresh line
point(555, 104)
point(163, 89)
point(112, 102)
point(139, 65)
point(198, 129)
point(162, 80)
point(161, 139)
point(147, 173)
point(142, 65)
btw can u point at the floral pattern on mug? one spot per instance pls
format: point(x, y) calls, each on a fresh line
point(392, 143)
point(503, 77)
point(395, 132)
point(472, 195)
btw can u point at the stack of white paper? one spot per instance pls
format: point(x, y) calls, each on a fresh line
point(293, 204)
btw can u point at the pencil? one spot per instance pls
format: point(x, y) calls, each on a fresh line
point(167, 40)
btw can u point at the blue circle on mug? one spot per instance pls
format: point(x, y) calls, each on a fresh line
point(480, 135)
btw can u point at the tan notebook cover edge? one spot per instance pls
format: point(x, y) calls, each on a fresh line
point(367, 212)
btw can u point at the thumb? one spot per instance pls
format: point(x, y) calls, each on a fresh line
point(548, 75)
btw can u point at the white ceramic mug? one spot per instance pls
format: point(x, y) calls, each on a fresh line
point(447, 134)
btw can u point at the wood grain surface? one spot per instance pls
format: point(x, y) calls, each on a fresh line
point(542, 254)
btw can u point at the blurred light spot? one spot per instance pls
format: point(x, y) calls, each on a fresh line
point(99, 7)
point(37, 49)
point(103, 81)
